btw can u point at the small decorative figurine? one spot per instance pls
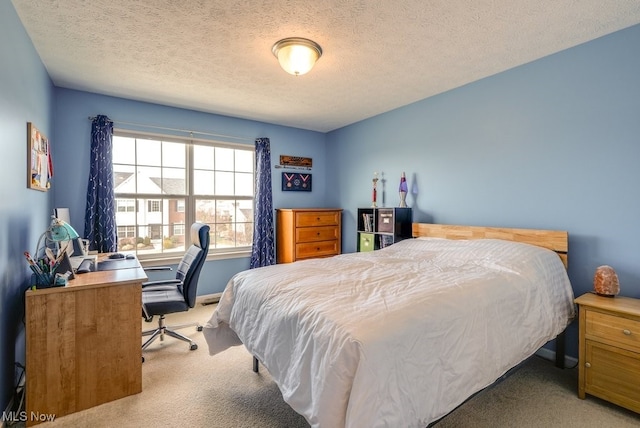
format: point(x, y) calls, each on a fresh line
point(403, 191)
point(605, 281)
point(374, 195)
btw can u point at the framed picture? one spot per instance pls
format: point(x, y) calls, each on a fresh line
point(296, 181)
point(39, 164)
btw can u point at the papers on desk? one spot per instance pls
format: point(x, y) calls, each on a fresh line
point(76, 260)
point(112, 264)
point(106, 264)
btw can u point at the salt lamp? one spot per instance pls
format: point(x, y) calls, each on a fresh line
point(605, 281)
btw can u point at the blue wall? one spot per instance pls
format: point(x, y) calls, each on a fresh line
point(26, 95)
point(72, 139)
point(553, 144)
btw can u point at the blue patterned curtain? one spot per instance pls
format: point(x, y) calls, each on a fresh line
point(100, 214)
point(263, 253)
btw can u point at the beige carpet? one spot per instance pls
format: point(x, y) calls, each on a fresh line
point(183, 388)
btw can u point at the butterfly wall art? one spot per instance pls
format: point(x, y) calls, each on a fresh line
point(296, 181)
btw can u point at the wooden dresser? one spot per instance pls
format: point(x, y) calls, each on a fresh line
point(307, 233)
point(609, 353)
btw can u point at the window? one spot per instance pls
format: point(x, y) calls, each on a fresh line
point(153, 206)
point(164, 184)
point(125, 205)
point(178, 229)
point(126, 232)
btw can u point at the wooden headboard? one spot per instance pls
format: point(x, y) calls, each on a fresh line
point(556, 240)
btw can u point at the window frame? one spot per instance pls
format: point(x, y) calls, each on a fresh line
point(189, 197)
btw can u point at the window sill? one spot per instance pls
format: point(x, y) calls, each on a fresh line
point(164, 261)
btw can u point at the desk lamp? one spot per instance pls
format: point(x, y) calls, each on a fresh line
point(57, 232)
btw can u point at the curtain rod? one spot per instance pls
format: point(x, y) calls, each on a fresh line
point(188, 131)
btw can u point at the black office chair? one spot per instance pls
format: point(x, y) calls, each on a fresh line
point(176, 295)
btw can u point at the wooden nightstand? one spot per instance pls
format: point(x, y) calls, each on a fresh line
point(609, 353)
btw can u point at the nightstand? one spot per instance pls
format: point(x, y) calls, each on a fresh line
point(609, 349)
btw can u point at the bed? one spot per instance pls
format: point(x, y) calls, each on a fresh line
point(403, 335)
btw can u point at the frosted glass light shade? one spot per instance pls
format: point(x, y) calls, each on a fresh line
point(297, 55)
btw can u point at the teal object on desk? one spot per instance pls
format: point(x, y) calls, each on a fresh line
point(53, 256)
point(62, 231)
point(57, 232)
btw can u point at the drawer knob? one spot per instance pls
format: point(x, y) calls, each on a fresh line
point(626, 332)
point(318, 233)
point(587, 365)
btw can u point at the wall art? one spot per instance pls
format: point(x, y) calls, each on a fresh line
point(295, 161)
point(39, 163)
point(296, 181)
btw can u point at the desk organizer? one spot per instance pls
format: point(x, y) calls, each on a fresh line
point(48, 280)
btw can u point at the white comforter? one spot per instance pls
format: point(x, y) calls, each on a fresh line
point(397, 337)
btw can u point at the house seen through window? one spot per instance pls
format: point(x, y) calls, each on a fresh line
point(164, 184)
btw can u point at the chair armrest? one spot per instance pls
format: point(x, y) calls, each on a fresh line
point(145, 314)
point(154, 268)
point(166, 284)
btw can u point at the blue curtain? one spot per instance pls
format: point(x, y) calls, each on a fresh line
point(100, 214)
point(263, 253)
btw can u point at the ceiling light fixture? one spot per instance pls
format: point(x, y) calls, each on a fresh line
point(296, 55)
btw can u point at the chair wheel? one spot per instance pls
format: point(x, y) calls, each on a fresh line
point(143, 359)
point(199, 328)
point(193, 347)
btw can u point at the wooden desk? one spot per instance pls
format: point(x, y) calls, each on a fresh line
point(83, 342)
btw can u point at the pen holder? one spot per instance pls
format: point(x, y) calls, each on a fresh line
point(47, 280)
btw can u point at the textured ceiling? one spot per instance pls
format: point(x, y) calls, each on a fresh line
point(215, 55)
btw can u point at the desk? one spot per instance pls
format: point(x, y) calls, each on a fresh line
point(83, 342)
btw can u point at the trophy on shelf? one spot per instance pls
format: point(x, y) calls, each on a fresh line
point(374, 195)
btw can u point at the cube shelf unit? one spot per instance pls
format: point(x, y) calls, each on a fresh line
point(381, 227)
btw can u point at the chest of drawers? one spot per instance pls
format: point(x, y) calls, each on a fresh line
point(307, 233)
point(609, 349)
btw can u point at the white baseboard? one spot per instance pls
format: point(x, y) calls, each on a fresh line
point(208, 299)
point(550, 355)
